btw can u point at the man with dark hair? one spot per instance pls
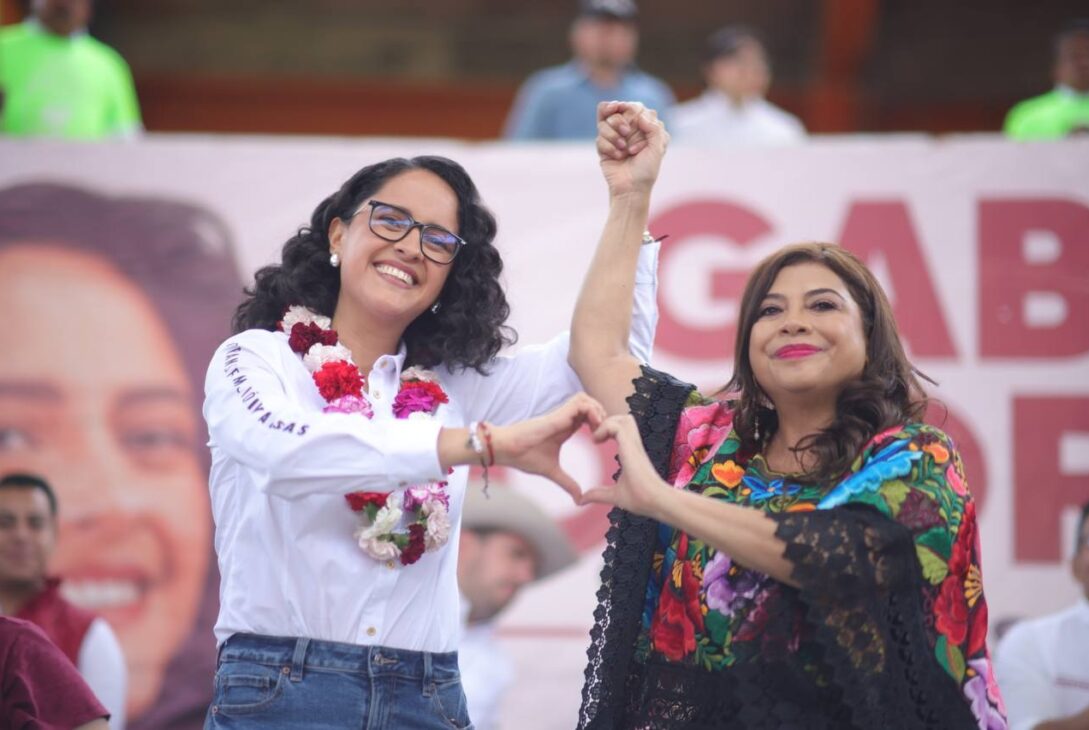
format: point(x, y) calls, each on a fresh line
point(733, 110)
point(1065, 109)
point(1042, 664)
point(560, 103)
point(28, 535)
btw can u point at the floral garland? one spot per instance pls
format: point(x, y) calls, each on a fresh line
point(341, 384)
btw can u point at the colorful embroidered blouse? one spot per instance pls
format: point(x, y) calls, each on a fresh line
point(890, 607)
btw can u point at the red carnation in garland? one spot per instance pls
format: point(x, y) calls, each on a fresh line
point(305, 335)
point(337, 379)
point(415, 548)
point(359, 501)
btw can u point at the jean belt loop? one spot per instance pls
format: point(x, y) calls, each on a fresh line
point(299, 659)
point(427, 683)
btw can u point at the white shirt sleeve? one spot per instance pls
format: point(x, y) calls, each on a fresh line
point(1022, 674)
point(294, 452)
point(102, 665)
point(538, 378)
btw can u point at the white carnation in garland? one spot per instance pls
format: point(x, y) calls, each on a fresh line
point(378, 548)
point(299, 314)
point(415, 373)
point(438, 527)
point(320, 354)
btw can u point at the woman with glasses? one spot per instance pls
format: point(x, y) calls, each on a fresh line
point(363, 380)
point(800, 551)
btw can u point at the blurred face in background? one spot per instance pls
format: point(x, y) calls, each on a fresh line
point(742, 75)
point(603, 43)
point(62, 17)
point(28, 533)
point(94, 397)
point(492, 568)
point(1072, 61)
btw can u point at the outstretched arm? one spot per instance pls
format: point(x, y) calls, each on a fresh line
point(631, 142)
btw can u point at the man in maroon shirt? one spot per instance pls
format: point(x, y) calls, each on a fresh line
point(28, 533)
point(39, 686)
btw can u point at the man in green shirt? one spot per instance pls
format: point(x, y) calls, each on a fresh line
point(58, 81)
point(1065, 109)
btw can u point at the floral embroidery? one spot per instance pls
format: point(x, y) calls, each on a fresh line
point(341, 384)
point(912, 474)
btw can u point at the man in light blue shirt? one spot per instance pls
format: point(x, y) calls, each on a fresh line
point(561, 102)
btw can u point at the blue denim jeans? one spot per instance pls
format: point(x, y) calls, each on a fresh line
point(275, 682)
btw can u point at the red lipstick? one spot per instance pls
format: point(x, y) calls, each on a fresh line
point(788, 352)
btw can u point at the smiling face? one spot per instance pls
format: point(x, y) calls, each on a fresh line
point(93, 397)
point(807, 341)
point(392, 283)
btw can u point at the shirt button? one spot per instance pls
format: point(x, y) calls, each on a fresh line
point(371, 631)
point(377, 394)
point(389, 564)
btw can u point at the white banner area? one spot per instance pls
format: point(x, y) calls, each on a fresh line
point(983, 247)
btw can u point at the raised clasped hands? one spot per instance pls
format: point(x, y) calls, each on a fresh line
point(631, 142)
point(533, 445)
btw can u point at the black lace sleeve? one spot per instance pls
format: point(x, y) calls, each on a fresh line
point(860, 585)
point(656, 405)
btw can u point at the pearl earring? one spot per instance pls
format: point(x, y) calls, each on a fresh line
point(756, 428)
point(334, 259)
point(435, 308)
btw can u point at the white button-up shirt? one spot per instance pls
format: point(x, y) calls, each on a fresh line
point(288, 560)
point(1042, 667)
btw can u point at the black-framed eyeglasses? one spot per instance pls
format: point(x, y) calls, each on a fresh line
point(391, 223)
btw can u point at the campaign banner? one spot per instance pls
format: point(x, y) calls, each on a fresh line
point(121, 264)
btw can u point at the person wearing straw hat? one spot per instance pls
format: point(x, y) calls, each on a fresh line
point(507, 542)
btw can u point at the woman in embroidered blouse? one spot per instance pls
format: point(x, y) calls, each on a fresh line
point(339, 471)
point(802, 553)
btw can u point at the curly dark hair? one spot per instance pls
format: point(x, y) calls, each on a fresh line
point(887, 393)
point(467, 331)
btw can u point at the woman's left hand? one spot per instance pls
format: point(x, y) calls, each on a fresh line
point(639, 489)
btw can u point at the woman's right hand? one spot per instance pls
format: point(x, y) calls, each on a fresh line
point(631, 142)
point(639, 488)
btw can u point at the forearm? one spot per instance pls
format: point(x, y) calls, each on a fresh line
point(743, 533)
point(602, 319)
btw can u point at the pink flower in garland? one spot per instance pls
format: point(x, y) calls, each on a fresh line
point(417, 497)
point(418, 396)
point(350, 404)
point(337, 379)
point(305, 335)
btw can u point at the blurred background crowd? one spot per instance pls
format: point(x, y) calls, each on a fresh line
point(453, 68)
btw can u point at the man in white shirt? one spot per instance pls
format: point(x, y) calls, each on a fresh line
point(1042, 664)
point(507, 542)
point(28, 535)
point(733, 110)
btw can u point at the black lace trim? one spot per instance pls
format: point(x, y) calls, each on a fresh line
point(656, 405)
point(862, 589)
